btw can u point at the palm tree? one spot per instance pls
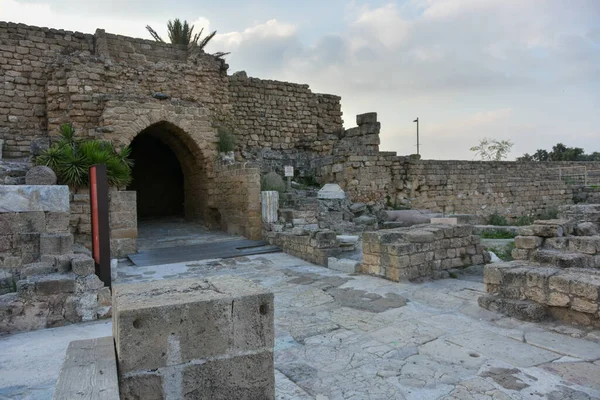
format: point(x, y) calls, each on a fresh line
point(181, 33)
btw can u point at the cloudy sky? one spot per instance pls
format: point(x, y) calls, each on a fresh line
point(524, 70)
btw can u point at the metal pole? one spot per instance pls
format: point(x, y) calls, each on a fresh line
point(417, 121)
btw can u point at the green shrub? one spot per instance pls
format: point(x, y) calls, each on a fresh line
point(71, 157)
point(272, 182)
point(226, 140)
point(497, 219)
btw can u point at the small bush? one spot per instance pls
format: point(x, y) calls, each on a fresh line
point(226, 140)
point(71, 157)
point(497, 219)
point(272, 182)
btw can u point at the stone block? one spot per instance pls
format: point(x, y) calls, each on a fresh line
point(57, 221)
point(586, 229)
point(24, 198)
point(366, 118)
point(520, 309)
point(331, 191)
point(419, 236)
point(148, 386)
point(343, 265)
point(169, 322)
point(38, 268)
point(528, 242)
point(445, 221)
point(326, 239)
point(239, 377)
point(40, 175)
point(83, 265)
point(56, 243)
point(122, 247)
point(46, 285)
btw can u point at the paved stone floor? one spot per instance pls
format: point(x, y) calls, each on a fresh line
point(341, 336)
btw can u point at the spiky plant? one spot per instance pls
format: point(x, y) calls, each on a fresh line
point(71, 157)
point(183, 33)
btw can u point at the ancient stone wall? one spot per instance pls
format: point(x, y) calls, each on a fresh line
point(234, 200)
point(421, 251)
point(282, 115)
point(25, 53)
point(79, 86)
point(313, 246)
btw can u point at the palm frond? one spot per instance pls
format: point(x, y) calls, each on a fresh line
point(206, 39)
point(154, 34)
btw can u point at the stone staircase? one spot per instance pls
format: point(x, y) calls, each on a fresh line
point(556, 271)
point(59, 288)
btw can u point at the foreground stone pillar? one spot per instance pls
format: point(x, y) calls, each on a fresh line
point(270, 206)
point(194, 339)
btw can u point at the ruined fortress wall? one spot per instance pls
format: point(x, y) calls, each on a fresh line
point(512, 189)
point(282, 115)
point(25, 52)
point(508, 188)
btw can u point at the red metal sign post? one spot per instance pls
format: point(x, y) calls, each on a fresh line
point(100, 227)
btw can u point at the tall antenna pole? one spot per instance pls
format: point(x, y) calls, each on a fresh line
point(417, 121)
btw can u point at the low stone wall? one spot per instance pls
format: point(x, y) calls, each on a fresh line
point(235, 200)
point(312, 246)
point(122, 219)
point(420, 251)
point(568, 294)
point(194, 338)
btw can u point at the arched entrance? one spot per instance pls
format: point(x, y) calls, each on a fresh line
point(157, 178)
point(168, 175)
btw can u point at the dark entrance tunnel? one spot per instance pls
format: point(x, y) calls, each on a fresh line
point(157, 177)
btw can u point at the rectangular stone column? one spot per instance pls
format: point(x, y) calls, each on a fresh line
point(194, 339)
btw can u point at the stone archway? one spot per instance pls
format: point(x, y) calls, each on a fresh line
point(175, 137)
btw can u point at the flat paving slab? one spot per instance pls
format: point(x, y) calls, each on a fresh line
point(348, 336)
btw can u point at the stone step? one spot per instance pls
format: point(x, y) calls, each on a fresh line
point(570, 293)
point(526, 310)
point(45, 285)
point(42, 268)
point(563, 260)
point(575, 244)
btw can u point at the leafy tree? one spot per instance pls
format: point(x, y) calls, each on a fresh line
point(492, 149)
point(71, 157)
point(560, 152)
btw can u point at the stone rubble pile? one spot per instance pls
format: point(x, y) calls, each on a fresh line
point(556, 272)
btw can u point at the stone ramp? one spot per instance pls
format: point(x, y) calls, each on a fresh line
point(224, 249)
